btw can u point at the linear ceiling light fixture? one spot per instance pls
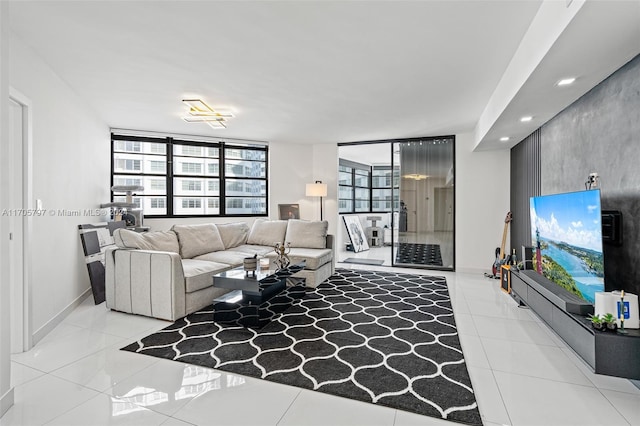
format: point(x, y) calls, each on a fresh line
point(200, 112)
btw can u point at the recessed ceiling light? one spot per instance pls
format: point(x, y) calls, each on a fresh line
point(526, 118)
point(566, 81)
point(504, 138)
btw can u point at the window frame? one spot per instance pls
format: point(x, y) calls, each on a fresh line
point(169, 175)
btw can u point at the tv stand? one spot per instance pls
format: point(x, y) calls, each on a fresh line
point(606, 352)
point(557, 295)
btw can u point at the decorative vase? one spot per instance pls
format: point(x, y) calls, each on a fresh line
point(282, 261)
point(612, 326)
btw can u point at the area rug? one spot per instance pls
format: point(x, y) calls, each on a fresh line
point(380, 337)
point(419, 254)
point(363, 261)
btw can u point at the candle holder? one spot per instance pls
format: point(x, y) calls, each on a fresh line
point(282, 250)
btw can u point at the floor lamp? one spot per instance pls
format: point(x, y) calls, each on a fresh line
point(317, 189)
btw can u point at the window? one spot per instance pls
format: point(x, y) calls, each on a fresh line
point(192, 150)
point(158, 148)
point(141, 162)
point(191, 185)
point(213, 169)
point(157, 166)
point(191, 177)
point(158, 203)
point(383, 180)
point(354, 190)
point(158, 184)
point(191, 168)
point(191, 203)
point(123, 180)
point(127, 165)
point(128, 146)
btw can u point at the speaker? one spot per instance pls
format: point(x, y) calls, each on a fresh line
point(527, 257)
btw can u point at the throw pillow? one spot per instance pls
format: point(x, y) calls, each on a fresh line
point(233, 234)
point(198, 239)
point(307, 234)
point(267, 232)
point(156, 240)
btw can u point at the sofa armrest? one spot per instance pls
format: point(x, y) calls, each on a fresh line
point(331, 244)
point(145, 282)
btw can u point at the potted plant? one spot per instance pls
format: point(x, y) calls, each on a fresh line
point(596, 321)
point(610, 321)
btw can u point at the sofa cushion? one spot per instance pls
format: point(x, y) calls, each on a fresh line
point(307, 234)
point(267, 232)
point(315, 257)
point(198, 239)
point(253, 249)
point(233, 234)
point(156, 240)
point(232, 258)
point(198, 274)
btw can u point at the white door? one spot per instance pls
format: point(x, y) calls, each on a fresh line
point(443, 209)
point(19, 188)
point(16, 260)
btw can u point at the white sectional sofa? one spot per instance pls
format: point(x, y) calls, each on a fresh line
point(168, 274)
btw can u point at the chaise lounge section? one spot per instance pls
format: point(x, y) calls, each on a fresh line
point(168, 274)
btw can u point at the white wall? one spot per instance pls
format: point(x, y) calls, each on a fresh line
point(482, 202)
point(71, 171)
point(325, 168)
point(6, 391)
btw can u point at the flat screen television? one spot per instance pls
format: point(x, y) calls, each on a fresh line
point(566, 232)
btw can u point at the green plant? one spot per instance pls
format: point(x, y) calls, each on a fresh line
point(595, 319)
point(609, 318)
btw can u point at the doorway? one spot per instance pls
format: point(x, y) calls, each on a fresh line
point(20, 220)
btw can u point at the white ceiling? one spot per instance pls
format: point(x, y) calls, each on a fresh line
point(298, 72)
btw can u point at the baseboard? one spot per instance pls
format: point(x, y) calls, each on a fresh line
point(55, 321)
point(479, 271)
point(6, 401)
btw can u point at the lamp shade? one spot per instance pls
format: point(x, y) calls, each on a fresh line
point(316, 190)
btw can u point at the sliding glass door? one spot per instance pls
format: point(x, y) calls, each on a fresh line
point(402, 194)
point(424, 232)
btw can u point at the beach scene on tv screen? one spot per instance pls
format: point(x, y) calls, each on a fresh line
point(567, 230)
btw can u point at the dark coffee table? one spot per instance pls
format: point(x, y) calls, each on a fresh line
point(256, 298)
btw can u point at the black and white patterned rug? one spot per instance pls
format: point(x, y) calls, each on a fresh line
point(380, 337)
point(419, 254)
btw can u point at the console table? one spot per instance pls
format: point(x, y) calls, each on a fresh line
point(606, 352)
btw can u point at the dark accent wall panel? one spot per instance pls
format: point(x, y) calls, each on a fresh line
point(600, 132)
point(525, 183)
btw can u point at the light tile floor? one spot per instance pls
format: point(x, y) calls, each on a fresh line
point(523, 374)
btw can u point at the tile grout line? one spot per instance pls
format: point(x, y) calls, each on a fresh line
point(289, 407)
